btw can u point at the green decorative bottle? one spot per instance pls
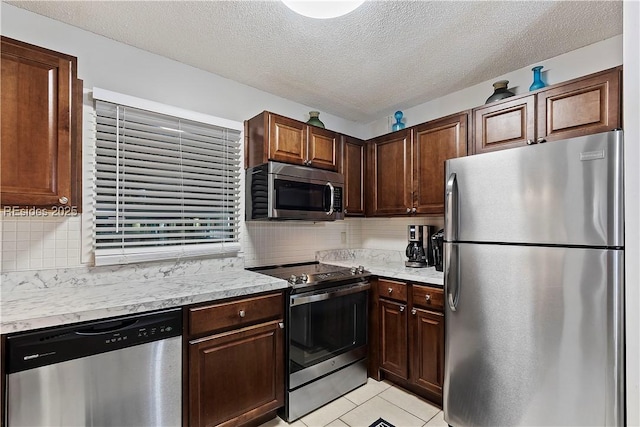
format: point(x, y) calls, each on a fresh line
point(314, 120)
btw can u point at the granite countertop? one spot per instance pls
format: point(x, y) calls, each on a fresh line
point(382, 263)
point(54, 298)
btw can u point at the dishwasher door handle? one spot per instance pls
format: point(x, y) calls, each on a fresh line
point(98, 330)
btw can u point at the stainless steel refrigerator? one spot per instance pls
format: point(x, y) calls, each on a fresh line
point(534, 270)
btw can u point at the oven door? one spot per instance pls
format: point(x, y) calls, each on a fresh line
point(327, 331)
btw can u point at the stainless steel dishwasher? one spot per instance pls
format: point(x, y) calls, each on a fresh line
point(120, 372)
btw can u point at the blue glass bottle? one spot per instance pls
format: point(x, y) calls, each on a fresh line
point(537, 78)
point(398, 124)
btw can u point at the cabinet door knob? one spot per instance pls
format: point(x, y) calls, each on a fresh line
point(414, 311)
point(541, 140)
point(530, 142)
point(390, 290)
point(345, 211)
point(63, 200)
point(414, 210)
point(408, 210)
point(401, 308)
point(242, 313)
point(281, 325)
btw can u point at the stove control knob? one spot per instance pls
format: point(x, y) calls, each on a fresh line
point(360, 269)
point(293, 279)
point(304, 278)
point(354, 270)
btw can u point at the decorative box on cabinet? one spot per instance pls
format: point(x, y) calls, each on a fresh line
point(409, 347)
point(352, 167)
point(41, 127)
point(582, 106)
point(269, 136)
point(235, 361)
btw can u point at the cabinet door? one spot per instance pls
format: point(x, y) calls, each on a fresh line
point(287, 140)
point(353, 163)
point(389, 174)
point(323, 148)
point(393, 337)
point(506, 124)
point(586, 106)
point(236, 376)
point(427, 350)
point(40, 140)
point(433, 143)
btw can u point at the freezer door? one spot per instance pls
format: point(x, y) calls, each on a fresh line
point(534, 336)
point(563, 192)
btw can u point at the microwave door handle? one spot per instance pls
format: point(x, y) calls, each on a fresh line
point(331, 195)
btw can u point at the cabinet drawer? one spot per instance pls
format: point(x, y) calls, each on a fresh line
point(392, 289)
point(428, 297)
point(233, 314)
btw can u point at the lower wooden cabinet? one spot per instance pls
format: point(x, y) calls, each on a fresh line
point(427, 350)
point(410, 344)
point(236, 376)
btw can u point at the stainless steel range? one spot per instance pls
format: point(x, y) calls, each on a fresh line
point(326, 333)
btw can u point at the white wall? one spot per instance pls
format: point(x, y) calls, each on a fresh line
point(589, 59)
point(631, 111)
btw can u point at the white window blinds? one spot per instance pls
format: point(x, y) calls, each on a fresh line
point(165, 187)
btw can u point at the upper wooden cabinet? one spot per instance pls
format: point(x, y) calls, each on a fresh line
point(433, 143)
point(269, 136)
point(41, 127)
point(352, 167)
point(389, 174)
point(578, 107)
point(406, 168)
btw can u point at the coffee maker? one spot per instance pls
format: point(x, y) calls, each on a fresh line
point(438, 254)
point(418, 255)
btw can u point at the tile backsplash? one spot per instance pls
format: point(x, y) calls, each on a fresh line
point(35, 243)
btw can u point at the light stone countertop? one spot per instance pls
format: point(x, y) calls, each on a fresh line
point(55, 298)
point(383, 263)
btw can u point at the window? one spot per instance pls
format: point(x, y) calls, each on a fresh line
point(165, 186)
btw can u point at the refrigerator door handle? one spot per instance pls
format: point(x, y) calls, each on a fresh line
point(452, 274)
point(451, 209)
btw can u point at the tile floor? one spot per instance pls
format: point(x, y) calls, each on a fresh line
point(366, 404)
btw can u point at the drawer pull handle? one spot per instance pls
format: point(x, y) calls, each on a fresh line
point(414, 311)
point(390, 290)
point(428, 297)
point(242, 313)
point(401, 308)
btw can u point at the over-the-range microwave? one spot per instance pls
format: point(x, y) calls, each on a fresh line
point(279, 191)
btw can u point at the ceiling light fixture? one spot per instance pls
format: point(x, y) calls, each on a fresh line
point(322, 9)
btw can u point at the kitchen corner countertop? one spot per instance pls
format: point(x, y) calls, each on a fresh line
point(382, 263)
point(41, 303)
point(396, 270)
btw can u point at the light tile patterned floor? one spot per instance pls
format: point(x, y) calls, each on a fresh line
point(366, 404)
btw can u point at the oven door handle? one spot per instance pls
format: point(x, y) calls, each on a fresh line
point(331, 293)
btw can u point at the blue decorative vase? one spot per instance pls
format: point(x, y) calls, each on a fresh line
point(398, 124)
point(537, 78)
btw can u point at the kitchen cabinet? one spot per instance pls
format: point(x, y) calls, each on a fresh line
point(406, 168)
point(235, 361)
point(410, 344)
point(269, 136)
point(433, 143)
point(352, 167)
point(582, 106)
point(389, 175)
point(41, 127)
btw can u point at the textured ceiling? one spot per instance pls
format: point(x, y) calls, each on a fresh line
point(363, 66)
